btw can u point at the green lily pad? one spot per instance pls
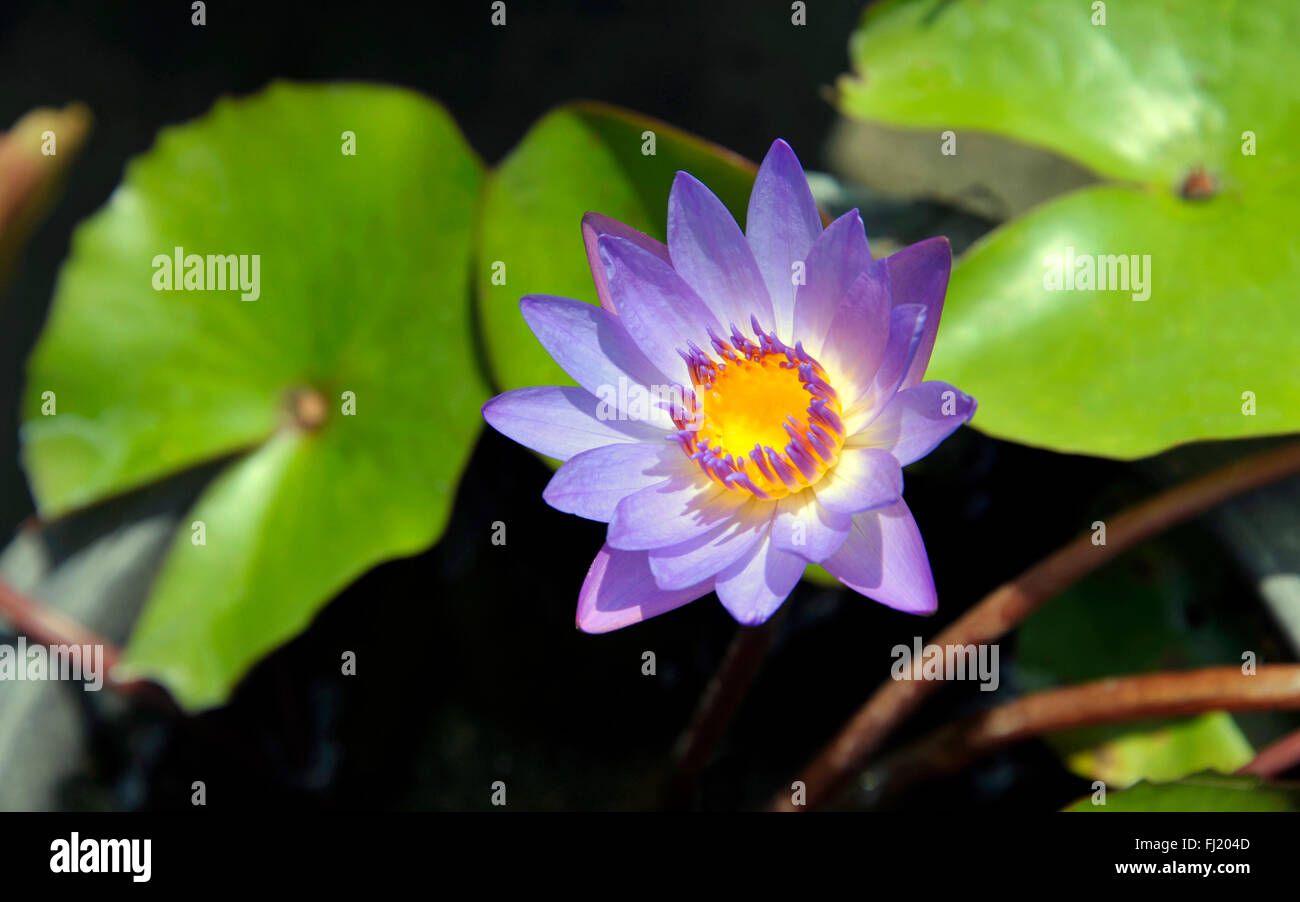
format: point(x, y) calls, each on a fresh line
point(1202, 792)
point(1209, 742)
point(1146, 100)
point(361, 326)
point(580, 158)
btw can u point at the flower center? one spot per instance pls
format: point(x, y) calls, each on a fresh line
point(762, 417)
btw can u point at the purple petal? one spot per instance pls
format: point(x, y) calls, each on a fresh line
point(709, 251)
point(906, 330)
point(838, 256)
point(859, 333)
point(753, 587)
point(804, 527)
point(620, 591)
point(916, 420)
point(658, 309)
point(595, 225)
point(700, 558)
point(560, 421)
point(591, 484)
point(592, 346)
point(673, 512)
point(884, 559)
point(918, 274)
point(781, 225)
point(862, 479)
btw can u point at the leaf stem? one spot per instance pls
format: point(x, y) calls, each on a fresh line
point(1114, 700)
point(1007, 606)
point(46, 626)
point(718, 705)
point(1276, 759)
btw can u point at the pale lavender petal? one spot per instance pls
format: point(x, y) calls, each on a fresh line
point(781, 225)
point(918, 274)
point(804, 527)
point(906, 330)
point(561, 421)
point(658, 309)
point(753, 587)
point(673, 512)
point(689, 562)
point(709, 251)
point(620, 591)
point(916, 420)
point(592, 346)
point(591, 484)
point(862, 479)
point(884, 559)
point(859, 333)
point(596, 224)
point(838, 256)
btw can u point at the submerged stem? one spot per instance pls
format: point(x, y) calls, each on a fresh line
point(46, 626)
point(1114, 700)
point(1276, 759)
point(1007, 606)
point(718, 705)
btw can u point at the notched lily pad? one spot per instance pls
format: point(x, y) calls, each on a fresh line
point(348, 385)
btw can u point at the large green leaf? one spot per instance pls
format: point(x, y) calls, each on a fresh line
point(585, 157)
point(364, 266)
point(1202, 792)
point(1159, 91)
point(1100, 373)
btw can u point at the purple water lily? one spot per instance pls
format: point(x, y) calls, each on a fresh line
point(747, 401)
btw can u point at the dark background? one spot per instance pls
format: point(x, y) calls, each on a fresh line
point(470, 669)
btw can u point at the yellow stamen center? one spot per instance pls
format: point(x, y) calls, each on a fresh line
point(748, 404)
point(762, 419)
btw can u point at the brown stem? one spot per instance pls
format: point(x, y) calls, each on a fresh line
point(1276, 759)
point(30, 618)
point(1114, 700)
point(1007, 606)
point(718, 705)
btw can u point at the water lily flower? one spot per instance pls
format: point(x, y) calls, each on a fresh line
point(745, 404)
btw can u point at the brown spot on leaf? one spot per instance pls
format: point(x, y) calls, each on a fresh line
point(1199, 185)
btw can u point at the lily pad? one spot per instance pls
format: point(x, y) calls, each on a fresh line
point(1202, 792)
point(347, 387)
point(580, 158)
point(1209, 742)
point(1188, 109)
